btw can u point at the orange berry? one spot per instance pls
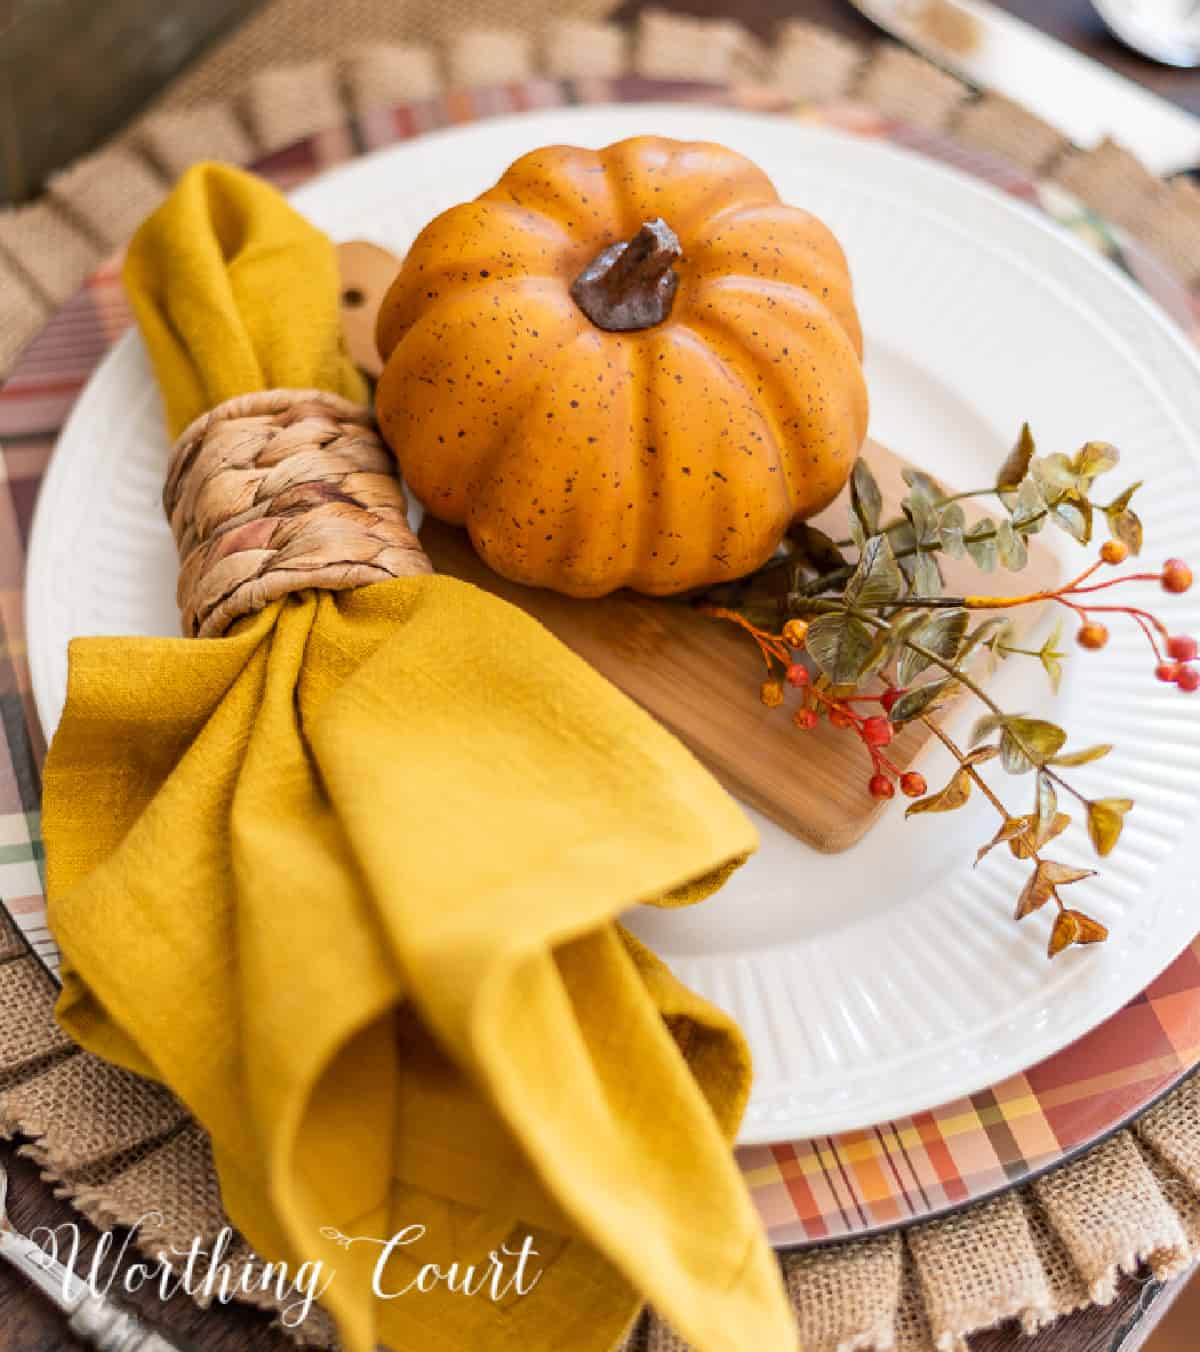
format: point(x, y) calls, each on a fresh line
point(771, 694)
point(805, 719)
point(881, 787)
point(1092, 636)
point(1114, 551)
point(1182, 647)
point(797, 675)
point(840, 717)
point(1188, 680)
point(795, 632)
point(913, 785)
point(1168, 672)
point(1176, 576)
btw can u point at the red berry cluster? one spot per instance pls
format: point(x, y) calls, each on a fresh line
point(875, 731)
point(1182, 651)
point(1175, 665)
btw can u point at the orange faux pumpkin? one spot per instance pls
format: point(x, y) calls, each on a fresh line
point(602, 416)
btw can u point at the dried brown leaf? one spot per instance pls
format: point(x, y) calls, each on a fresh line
point(1026, 846)
point(1090, 931)
point(1013, 827)
point(980, 755)
point(1016, 466)
point(1064, 934)
point(1035, 894)
point(1106, 820)
point(1059, 875)
point(953, 796)
point(1084, 757)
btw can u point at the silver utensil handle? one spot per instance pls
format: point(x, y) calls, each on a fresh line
point(111, 1328)
point(96, 1319)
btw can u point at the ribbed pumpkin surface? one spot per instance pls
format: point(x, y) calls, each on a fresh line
point(660, 459)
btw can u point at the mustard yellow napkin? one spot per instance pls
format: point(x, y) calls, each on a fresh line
point(346, 880)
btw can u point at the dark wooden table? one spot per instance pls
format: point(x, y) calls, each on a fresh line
point(27, 1324)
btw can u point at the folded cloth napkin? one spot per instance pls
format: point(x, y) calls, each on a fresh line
point(347, 879)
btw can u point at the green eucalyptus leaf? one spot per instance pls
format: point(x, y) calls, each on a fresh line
point(982, 549)
point(904, 542)
point(1026, 742)
point(865, 497)
point(926, 576)
point(882, 649)
point(924, 517)
point(816, 548)
point(1029, 508)
point(841, 645)
point(972, 641)
point(921, 699)
point(999, 643)
point(1016, 466)
point(1010, 547)
point(1051, 657)
point(877, 579)
point(1074, 515)
point(901, 625)
point(941, 633)
point(922, 484)
point(977, 636)
point(951, 526)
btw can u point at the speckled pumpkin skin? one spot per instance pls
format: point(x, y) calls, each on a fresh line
point(665, 459)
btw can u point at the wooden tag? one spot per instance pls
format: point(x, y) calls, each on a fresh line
point(367, 270)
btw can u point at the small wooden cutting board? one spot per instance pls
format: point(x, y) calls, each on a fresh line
point(700, 678)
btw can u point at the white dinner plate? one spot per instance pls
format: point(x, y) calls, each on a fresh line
point(890, 978)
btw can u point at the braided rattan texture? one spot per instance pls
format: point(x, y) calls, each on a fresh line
point(277, 492)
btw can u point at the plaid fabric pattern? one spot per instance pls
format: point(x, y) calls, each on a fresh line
point(807, 1191)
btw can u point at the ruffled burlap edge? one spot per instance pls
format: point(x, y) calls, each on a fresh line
point(274, 82)
point(119, 1147)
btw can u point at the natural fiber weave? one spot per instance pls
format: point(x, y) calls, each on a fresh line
point(120, 1147)
point(279, 491)
point(289, 71)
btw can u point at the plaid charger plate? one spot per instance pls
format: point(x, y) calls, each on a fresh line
point(807, 1191)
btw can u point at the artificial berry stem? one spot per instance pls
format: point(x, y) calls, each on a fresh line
point(982, 785)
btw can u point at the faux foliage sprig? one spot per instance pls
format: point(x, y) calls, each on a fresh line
point(873, 643)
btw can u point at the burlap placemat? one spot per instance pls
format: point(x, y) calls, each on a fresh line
point(290, 71)
point(119, 1147)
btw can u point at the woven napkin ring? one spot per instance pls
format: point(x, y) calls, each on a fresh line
point(279, 491)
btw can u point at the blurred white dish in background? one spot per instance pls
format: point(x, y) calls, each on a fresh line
point(1164, 30)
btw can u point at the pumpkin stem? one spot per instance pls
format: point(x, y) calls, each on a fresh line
point(631, 284)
